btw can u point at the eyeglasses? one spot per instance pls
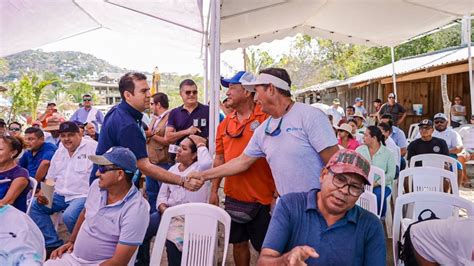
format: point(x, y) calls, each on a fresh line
point(104, 169)
point(235, 136)
point(14, 129)
point(276, 131)
point(391, 97)
point(439, 122)
point(340, 181)
point(191, 92)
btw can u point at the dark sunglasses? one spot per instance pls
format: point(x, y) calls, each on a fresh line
point(391, 97)
point(104, 169)
point(86, 100)
point(14, 129)
point(276, 131)
point(439, 121)
point(191, 92)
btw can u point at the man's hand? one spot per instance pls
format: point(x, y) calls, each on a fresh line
point(214, 198)
point(42, 200)
point(298, 255)
point(192, 130)
point(57, 253)
point(193, 183)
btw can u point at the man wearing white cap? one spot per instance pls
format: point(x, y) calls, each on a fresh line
point(296, 139)
point(336, 111)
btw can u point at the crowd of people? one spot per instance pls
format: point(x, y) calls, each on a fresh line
point(292, 172)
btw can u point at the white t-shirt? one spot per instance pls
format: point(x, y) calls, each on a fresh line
point(392, 146)
point(337, 114)
point(293, 155)
point(467, 136)
point(451, 137)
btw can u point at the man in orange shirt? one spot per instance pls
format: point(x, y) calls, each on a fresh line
point(250, 193)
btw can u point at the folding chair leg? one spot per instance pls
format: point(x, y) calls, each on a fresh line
point(388, 217)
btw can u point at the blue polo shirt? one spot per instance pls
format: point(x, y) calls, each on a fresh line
point(122, 127)
point(181, 119)
point(356, 239)
point(399, 137)
point(31, 162)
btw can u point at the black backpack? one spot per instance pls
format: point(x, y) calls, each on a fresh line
point(406, 251)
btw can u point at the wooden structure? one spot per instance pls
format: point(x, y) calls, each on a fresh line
point(419, 85)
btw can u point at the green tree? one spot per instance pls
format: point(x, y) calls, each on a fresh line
point(31, 87)
point(78, 89)
point(257, 59)
point(18, 100)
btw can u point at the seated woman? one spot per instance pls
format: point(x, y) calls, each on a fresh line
point(91, 131)
point(345, 138)
point(13, 178)
point(359, 137)
point(192, 155)
point(375, 151)
point(458, 112)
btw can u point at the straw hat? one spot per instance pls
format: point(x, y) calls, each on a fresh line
point(345, 127)
point(359, 114)
point(53, 124)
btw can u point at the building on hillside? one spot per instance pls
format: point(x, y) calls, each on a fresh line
point(418, 82)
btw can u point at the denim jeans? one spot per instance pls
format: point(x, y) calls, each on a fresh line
point(41, 216)
point(378, 194)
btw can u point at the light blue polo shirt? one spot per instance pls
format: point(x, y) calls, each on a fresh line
point(356, 239)
point(105, 226)
point(399, 137)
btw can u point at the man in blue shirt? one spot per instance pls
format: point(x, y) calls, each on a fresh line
point(324, 227)
point(398, 137)
point(87, 113)
point(38, 156)
point(123, 127)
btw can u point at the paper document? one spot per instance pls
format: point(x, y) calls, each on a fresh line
point(47, 188)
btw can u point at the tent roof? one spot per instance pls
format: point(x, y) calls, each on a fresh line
point(27, 24)
point(368, 22)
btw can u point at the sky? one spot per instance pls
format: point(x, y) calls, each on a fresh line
point(140, 52)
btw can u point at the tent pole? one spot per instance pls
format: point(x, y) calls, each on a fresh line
point(469, 60)
point(206, 68)
point(215, 74)
point(394, 76)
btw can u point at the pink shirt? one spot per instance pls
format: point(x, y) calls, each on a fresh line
point(352, 144)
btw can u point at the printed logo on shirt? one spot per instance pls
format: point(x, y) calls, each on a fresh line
point(436, 149)
point(203, 122)
point(290, 129)
point(254, 125)
point(82, 156)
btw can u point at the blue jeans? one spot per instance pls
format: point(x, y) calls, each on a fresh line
point(41, 215)
point(153, 187)
point(378, 194)
point(143, 256)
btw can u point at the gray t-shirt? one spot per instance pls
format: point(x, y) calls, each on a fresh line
point(293, 155)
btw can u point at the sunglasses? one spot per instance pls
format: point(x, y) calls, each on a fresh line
point(391, 97)
point(439, 122)
point(14, 129)
point(191, 92)
point(104, 169)
point(86, 100)
point(276, 131)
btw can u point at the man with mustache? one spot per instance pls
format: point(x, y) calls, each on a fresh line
point(324, 227)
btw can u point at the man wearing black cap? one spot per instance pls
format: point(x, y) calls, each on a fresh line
point(69, 173)
point(427, 143)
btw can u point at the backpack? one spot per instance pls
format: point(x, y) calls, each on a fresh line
point(406, 251)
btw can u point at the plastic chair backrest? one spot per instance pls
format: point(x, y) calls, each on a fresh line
point(436, 200)
point(426, 179)
point(376, 171)
point(412, 132)
point(33, 185)
point(436, 160)
point(200, 233)
point(133, 259)
point(368, 201)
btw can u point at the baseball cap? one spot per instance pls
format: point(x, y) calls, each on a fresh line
point(392, 95)
point(358, 100)
point(241, 76)
point(119, 156)
point(349, 161)
point(68, 126)
point(265, 79)
point(336, 101)
point(426, 122)
point(440, 116)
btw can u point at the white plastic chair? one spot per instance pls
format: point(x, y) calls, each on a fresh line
point(376, 171)
point(436, 202)
point(435, 160)
point(426, 178)
point(200, 233)
point(33, 185)
point(368, 201)
point(412, 132)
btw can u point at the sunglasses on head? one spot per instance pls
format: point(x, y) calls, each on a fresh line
point(191, 92)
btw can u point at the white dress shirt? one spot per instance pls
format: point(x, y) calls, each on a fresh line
point(392, 146)
point(71, 173)
point(173, 195)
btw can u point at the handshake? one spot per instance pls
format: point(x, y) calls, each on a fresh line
point(194, 181)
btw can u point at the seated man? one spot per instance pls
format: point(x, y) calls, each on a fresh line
point(467, 135)
point(113, 222)
point(70, 169)
point(444, 241)
point(38, 156)
point(427, 143)
point(324, 227)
